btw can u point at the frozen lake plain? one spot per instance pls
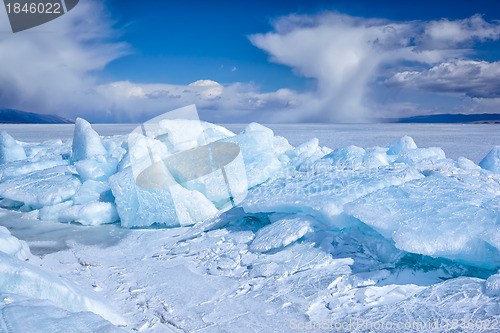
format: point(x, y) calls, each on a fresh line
point(413, 243)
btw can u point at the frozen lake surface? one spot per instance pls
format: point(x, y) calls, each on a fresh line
point(473, 141)
point(398, 235)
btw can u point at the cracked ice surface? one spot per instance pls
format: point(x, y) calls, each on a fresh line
point(457, 217)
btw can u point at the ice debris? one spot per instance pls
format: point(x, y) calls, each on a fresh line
point(492, 286)
point(404, 144)
point(13, 246)
point(10, 150)
point(491, 161)
point(455, 305)
point(86, 142)
point(256, 144)
point(42, 188)
point(281, 233)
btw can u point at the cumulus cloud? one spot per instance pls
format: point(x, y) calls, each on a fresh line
point(445, 33)
point(47, 68)
point(479, 79)
point(129, 101)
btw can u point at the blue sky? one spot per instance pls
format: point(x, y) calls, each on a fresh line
point(183, 41)
point(266, 61)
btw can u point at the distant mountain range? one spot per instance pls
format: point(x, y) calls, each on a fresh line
point(11, 116)
point(451, 119)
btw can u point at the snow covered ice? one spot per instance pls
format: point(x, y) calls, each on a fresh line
point(280, 234)
point(397, 233)
point(13, 246)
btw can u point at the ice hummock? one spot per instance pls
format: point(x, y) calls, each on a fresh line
point(10, 150)
point(195, 201)
point(86, 142)
point(138, 207)
point(13, 246)
point(404, 144)
point(257, 146)
point(491, 161)
point(42, 188)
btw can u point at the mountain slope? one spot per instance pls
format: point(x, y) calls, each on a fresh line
point(453, 118)
point(11, 116)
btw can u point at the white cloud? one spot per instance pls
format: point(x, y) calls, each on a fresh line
point(445, 33)
point(129, 101)
point(210, 90)
point(44, 69)
point(479, 79)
